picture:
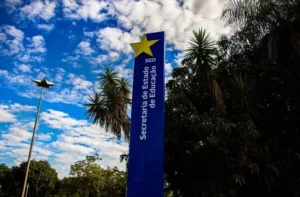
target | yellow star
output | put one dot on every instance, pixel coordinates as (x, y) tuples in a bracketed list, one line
[(143, 46)]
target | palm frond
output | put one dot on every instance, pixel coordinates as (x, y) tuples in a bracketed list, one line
[(108, 108), (243, 94), (96, 109), (108, 78), (240, 11), (217, 95), (201, 59), (201, 52)]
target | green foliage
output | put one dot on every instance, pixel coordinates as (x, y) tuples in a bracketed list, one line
[(87, 167), (5, 173), (243, 94), (253, 149), (109, 106), (90, 180), (199, 63), (87, 179), (42, 179)]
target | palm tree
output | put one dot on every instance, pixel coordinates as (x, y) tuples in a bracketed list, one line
[(244, 93), (108, 108), (264, 14), (201, 58), (259, 17)]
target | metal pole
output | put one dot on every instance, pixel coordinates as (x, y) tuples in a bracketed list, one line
[(27, 189), (31, 145)]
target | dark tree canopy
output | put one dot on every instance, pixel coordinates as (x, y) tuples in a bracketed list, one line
[(87, 179), (42, 179), (254, 149)]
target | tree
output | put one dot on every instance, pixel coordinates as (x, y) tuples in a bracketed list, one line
[(12, 185), (269, 42), (251, 150), (88, 179), (115, 182), (5, 173), (109, 106), (42, 179), (87, 167), (196, 128), (200, 61)]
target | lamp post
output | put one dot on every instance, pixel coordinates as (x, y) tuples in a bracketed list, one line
[(27, 187), (43, 84)]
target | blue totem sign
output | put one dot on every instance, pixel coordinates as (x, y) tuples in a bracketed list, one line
[(146, 149)]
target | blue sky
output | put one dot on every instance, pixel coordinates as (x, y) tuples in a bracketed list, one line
[(70, 42)]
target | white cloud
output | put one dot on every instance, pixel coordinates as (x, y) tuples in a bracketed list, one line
[(6, 111), (3, 37), (79, 82), (35, 50), (24, 68), (6, 115), (95, 10), (16, 107), (178, 58), (73, 148), (169, 16), (59, 76), (167, 79), (11, 44), (76, 139), (24, 57), (72, 60), (12, 79), (47, 27), (84, 48), (80, 138), (97, 71), (75, 88), (114, 56), (99, 60), (16, 134), (13, 40), (60, 120), (44, 136), (88, 34), (122, 69), (37, 45), (115, 39), (124, 72), (12, 4), (38, 9), (70, 95), (3, 73), (168, 68), (15, 142), (72, 37), (178, 20)]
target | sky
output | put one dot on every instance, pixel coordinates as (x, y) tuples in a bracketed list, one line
[(69, 42)]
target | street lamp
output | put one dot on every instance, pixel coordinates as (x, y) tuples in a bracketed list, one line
[(27, 189), (43, 84)]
